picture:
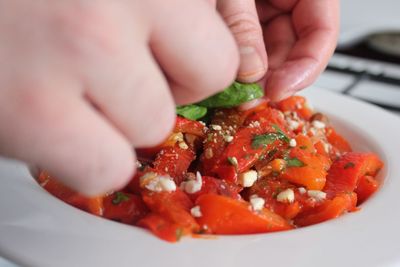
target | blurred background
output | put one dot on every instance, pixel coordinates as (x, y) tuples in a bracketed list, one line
[(366, 64)]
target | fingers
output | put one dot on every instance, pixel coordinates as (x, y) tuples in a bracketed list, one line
[(242, 19), (60, 132), (199, 56), (140, 105), (302, 55)]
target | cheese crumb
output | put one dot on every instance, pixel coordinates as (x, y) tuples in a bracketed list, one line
[(193, 186), (257, 203), (157, 183), (216, 127), (302, 190), (318, 124), (247, 179), (292, 143), (183, 145), (286, 196), (316, 194), (196, 212), (293, 125), (228, 138)]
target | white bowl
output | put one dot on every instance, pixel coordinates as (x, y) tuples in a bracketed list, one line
[(37, 229)]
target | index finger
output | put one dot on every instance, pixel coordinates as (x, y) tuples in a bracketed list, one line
[(316, 26)]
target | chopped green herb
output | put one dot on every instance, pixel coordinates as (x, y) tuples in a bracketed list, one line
[(303, 147), (272, 153), (179, 233), (282, 135), (191, 112), (119, 197), (236, 94), (233, 161), (349, 165), (263, 140), (294, 162), (248, 156)]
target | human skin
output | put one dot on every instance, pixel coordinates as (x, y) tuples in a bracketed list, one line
[(285, 43), (82, 82)]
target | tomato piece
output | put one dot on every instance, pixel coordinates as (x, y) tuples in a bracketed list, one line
[(173, 206), (345, 173), (312, 175), (296, 104), (367, 185), (337, 141), (163, 228), (92, 205), (124, 208), (330, 209), (174, 161), (223, 215)]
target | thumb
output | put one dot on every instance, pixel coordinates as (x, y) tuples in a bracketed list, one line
[(242, 19)]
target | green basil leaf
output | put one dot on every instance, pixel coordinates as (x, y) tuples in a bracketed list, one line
[(191, 112), (294, 162), (263, 140), (236, 94), (119, 197)]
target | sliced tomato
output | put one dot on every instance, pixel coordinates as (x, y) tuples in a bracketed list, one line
[(330, 209), (223, 215), (312, 174), (92, 205), (124, 207), (345, 173)]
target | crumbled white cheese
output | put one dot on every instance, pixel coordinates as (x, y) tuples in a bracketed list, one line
[(257, 203), (216, 127), (233, 161), (157, 183), (318, 124), (316, 194), (183, 145), (254, 124), (208, 153), (327, 147), (196, 212), (286, 196), (193, 186), (228, 138), (293, 125), (302, 190), (292, 143), (247, 179)]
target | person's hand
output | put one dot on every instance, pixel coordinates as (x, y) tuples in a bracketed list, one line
[(286, 42), (81, 82)]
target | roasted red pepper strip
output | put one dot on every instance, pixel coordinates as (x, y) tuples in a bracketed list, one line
[(162, 228), (367, 185), (345, 173), (92, 205), (174, 161), (173, 206), (124, 208), (213, 185), (296, 104), (330, 209), (223, 215), (184, 125), (312, 175)]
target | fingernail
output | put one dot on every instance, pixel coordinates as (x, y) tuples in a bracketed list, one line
[(252, 68)]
